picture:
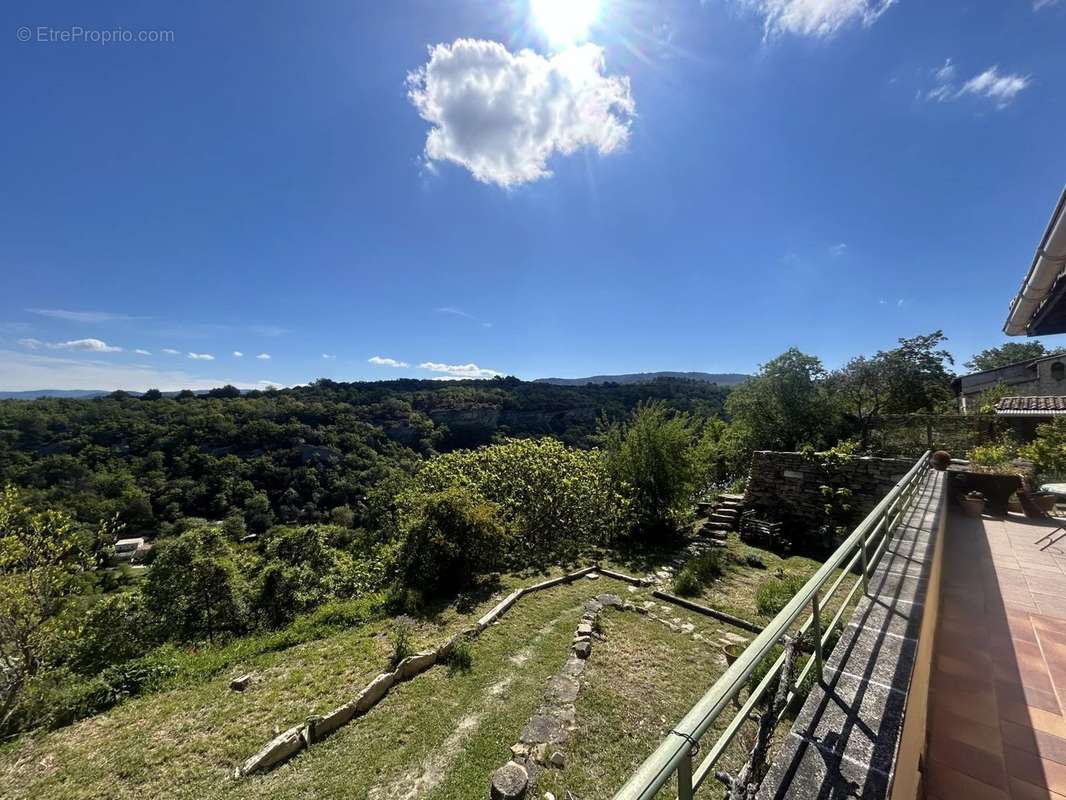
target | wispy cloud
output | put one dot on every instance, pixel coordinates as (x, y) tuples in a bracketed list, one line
[(382, 361), (170, 351), (263, 356), (81, 316), (329, 356), (818, 18), (460, 370), (84, 345), (1042, 4), (837, 250), (142, 352), (458, 312), (1001, 89), (201, 357), (238, 354)]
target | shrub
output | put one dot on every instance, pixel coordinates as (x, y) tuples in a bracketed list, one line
[(700, 571), (655, 460), (554, 500), (451, 537), (459, 658), (401, 642), (773, 593), (1048, 450)]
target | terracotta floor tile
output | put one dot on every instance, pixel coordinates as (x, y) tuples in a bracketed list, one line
[(943, 723), (980, 764), (1007, 691), (943, 781), (1025, 738), (972, 668), (1033, 718), (1021, 790), (977, 707), (1033, 769), (1041, 622)]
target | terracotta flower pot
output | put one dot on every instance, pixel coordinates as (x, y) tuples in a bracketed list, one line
[(732, 652), (940, 460), (972, 506)]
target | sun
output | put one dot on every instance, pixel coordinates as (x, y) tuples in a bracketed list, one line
[(565, 22)]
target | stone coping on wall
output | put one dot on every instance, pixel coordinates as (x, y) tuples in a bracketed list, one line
[(844, 741)]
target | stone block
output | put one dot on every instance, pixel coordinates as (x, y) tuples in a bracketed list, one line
[(374, 691), (281, 748), (241, 683), (415, 665), (509, 782)]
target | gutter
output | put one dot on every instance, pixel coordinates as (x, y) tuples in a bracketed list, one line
[(1048, 263)]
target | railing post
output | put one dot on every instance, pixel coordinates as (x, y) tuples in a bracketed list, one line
[(684, 776), (816, 625), (865, 566)]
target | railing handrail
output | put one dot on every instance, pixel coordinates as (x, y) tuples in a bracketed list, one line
[(660, 766)]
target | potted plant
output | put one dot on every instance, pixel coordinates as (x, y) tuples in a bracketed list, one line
[(973, 504), (993, 474)]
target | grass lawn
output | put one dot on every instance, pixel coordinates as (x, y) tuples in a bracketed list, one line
[(438, 736)]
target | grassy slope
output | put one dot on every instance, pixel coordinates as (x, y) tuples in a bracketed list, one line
[(438, 736)]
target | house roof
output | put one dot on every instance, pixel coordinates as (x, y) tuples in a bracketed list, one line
[(1046, 406)]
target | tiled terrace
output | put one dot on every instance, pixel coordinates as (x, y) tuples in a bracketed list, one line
[(996, 724)]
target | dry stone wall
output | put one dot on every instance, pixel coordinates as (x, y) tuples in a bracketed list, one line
[(787, 486)]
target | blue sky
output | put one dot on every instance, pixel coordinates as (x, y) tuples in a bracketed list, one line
[(690, 186)]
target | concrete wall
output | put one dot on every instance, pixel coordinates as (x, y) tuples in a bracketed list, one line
[(787, 486)]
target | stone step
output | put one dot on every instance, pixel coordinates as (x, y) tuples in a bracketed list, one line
[(731, 504), (718, 516), (739, 498), (716, 526)]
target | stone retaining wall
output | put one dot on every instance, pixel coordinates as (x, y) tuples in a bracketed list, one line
[(787, 486)]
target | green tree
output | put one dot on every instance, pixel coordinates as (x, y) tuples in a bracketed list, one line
[(862, 387), (44, 560), (655, 460), (919, 378), (785, 406), (195, 587), (1009, 353), (450, 537)]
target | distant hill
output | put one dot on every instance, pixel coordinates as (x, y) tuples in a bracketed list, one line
[(721, 378), (33, 394)]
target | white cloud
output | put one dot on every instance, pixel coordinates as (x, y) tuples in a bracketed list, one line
[(460, 370), (502, 115), (821, 18), (80, 316), (1002, 89), (201, 357), (990, 84), (329, 356), (84, 345), (142, 352), (263, 356), (28, 371), (238, 354), (837, 250), (1040, 4), (171, 351), (381, 361)]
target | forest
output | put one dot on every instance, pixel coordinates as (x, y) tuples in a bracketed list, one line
[(277, 515)]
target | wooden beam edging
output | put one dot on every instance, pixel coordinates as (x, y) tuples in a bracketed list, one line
[(287, 744), (751, 627)]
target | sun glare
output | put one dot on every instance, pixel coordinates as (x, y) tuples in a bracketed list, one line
[(565, 22)]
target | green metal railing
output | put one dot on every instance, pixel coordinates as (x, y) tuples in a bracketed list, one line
[(863, 549)]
